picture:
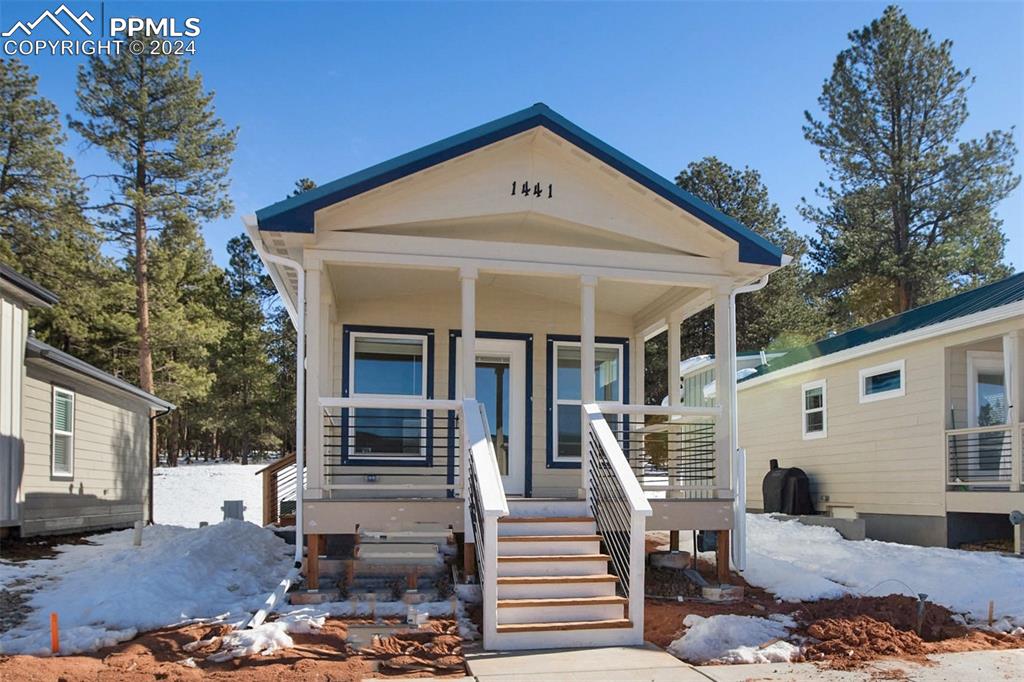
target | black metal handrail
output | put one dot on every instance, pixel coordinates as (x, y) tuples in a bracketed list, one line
[(980, 457), (610, 507)]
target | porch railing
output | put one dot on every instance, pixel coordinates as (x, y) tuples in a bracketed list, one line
[(671, 449), (406, 446), (620, 510), (980, 457), (485, 503)]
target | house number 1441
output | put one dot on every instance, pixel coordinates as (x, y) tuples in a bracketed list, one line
[(523, 188)]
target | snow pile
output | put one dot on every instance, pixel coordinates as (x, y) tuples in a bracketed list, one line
[(800, 563), (735, 639), (106, 592), (205, 487)]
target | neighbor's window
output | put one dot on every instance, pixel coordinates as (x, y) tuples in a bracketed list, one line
[(814, 410), (882, 382), (566, 390), (387, 366), (63, 440)]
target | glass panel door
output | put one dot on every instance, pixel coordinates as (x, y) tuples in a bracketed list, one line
[(493, 377)]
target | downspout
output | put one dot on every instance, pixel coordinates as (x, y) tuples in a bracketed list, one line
[(298, 316), (739, 459), (152, 456)]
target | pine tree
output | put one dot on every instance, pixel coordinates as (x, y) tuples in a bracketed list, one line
[(170, 156), (908, 216), (43, 231), (780, 315)]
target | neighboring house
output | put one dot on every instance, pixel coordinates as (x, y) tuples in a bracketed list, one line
[(909, 423), (74, 440), (697, 375), (485, 270)]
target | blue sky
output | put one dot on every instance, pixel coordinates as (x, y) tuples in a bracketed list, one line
[(322, 89)]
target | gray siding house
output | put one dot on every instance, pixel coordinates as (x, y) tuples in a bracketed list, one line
[(74, 440)]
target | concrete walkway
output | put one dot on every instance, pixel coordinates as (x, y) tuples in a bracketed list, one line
[(650, 664), (622, 664)]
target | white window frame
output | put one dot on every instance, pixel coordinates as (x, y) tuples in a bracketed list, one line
[(811, 385), (383, 456), (556, 401), (901, 365), (54, 472)]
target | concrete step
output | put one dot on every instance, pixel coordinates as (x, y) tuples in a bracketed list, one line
[(557, 586), (552, 564), (511, 545), (563, 626), (576, 609)]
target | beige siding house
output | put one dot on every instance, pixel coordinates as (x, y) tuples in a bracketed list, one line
[(75, 443), (908, 423), (474, 314)]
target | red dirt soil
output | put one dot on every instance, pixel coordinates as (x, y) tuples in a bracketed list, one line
[(323, 655)]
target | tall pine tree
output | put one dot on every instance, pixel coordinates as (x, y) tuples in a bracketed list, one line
[(908, 213), (170, 154)]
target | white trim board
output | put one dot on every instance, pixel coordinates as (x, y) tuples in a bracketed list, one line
[(959, 324)]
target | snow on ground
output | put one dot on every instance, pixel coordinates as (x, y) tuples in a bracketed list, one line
[(106, 592), (189, 493), (735, 639), (798, 563)]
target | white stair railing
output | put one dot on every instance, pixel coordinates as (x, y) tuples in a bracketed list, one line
[(485, 503), (620, 510)]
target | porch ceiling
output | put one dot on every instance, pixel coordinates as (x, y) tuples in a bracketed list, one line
[(363, 283)]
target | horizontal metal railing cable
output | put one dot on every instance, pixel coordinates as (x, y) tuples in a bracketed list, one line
[(980, 456)]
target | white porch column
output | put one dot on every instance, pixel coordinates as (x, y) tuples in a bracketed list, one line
[(725, 379), (314, 414), (675, 321), (468, 276), (588, 390), (1013, 380)]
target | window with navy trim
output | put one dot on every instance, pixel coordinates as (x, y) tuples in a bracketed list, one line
[(385, 364), (564, 404)]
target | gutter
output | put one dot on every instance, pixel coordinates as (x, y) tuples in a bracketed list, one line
[(739, 456), (298, 317), (152, 455)]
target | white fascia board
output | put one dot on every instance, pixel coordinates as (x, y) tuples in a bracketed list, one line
[(1003, 312), (253, 231)]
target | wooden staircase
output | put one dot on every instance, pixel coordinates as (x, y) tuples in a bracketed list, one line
[(554, 588)]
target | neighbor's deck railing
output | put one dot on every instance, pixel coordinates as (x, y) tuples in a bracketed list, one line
[(406, 446), (620, 509), (980, 457), (671, 449)]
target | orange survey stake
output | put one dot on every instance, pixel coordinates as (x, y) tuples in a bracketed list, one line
[(54, 634)]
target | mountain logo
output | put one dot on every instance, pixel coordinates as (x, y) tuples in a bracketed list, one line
[(78, 20)]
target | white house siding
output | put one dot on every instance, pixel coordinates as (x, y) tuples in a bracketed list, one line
[(498, 310), (109, 485), (13, 322), (879, 458)]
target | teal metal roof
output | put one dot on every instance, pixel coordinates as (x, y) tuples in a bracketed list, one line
[(295, 214), (1003, 292)]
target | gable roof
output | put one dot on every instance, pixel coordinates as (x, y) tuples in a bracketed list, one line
[(9, 277), (36, 348), (295, 214), (1003, 292)]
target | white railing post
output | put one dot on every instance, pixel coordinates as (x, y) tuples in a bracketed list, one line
[(637, 571), (489, 586)]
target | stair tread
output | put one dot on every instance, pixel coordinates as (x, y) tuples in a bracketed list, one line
[(555, 557), (562, 601), (567, 625), (549, 538), (545, 519), (556, 579)]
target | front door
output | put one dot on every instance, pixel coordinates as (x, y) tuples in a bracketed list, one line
[(500, 387)]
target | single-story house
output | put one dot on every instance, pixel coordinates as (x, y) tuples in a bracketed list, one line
[(697, 375), (910, 423), (449, 298), (75, 441)]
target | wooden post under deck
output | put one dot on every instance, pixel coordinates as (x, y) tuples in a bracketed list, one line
[(313, 561), (722, 556), (469, 559)]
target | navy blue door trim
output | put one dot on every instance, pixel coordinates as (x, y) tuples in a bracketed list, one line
[(453, 334)]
